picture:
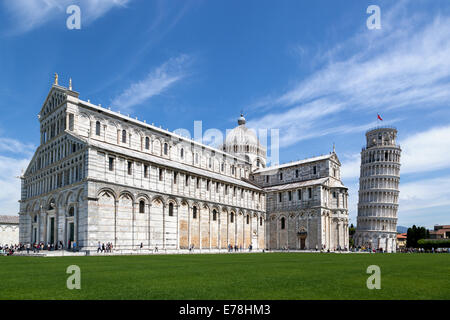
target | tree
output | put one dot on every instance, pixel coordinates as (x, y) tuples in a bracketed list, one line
[(415, 234), (351, 232)]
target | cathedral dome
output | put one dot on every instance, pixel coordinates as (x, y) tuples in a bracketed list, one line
[(241, 135), (244, 143)]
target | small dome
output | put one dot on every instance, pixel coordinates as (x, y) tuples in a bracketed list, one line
[(241, 135)]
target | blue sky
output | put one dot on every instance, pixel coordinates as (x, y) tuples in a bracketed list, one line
[(311, 69)]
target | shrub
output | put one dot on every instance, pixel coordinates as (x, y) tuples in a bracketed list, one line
[(433, 243)]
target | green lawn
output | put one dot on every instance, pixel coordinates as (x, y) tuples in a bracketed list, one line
[(228, 276)]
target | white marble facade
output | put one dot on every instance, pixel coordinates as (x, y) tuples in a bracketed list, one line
[(102, 176), (9, 230)]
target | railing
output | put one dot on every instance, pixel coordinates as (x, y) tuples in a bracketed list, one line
[(381, 127), (380, 146)]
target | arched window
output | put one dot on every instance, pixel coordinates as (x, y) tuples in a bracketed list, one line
[(182, 153), (71, 212), (142, 206), (35, 218), (166, 149), (214, 215), (248, 219), (147, 143), (248, 148), (124, 136), (257, 162), (260, 221), (283, 223), (232, 217), (97, 128), (194, 213), (171, 209)]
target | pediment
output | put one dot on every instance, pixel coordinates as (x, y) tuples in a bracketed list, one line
[(55, 98), (335, 158), (33, 163)]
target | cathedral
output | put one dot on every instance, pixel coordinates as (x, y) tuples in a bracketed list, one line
[(101, 176)]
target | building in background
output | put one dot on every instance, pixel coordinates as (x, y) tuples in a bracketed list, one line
[(440, 232), (401, 240), (379, 190), (9, 230)]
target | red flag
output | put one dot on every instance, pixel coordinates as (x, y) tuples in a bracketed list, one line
[(379, 117)]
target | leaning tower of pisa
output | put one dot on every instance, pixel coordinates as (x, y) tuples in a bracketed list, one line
[(378, 191)]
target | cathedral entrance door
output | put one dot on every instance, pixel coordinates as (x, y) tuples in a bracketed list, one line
[(302, 234), (52, 230), (70, 233), (302, 243)]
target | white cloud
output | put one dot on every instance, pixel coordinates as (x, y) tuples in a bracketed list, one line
[(156, 82), (31, 14), (425, 202), (15, 146), (404, 65), (426, 151), (10, 169), (350, 168)]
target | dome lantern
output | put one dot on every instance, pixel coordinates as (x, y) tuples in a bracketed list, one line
[(241, 120)]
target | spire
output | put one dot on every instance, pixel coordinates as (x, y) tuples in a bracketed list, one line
[(56, 79), (241, 119), (334, 148), (70, 84)]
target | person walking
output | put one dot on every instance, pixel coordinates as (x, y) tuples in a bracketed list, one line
[(99, 248)]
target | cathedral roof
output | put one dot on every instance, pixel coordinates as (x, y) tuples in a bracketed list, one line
[(171, 164), (333, 183), (9, 219), (294, 163)]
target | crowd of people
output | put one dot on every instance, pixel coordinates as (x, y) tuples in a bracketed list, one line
[(422, 250), (102, 248), (239, 248), (36, 247), (108, 248)]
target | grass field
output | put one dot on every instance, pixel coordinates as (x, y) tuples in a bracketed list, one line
[(228, 276)]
